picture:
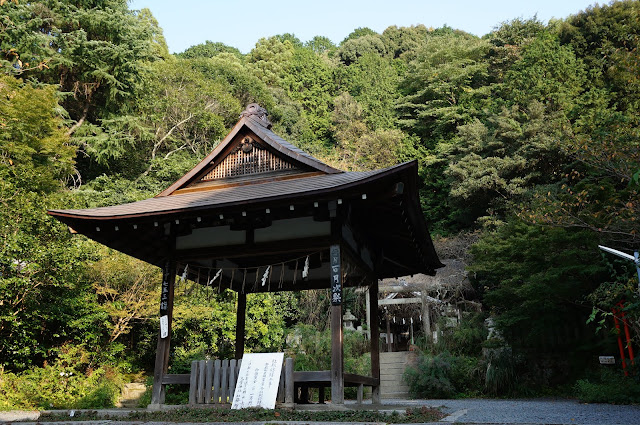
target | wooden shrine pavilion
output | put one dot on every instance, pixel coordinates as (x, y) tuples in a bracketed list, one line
[(259, 214)]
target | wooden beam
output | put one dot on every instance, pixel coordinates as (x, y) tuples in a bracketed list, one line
[(256, 249), (240, 325), (411, 287), (320, 377), (395, 301), (358, 260), (423, 242), (312, 376), (352, 380), (374, 339), (353, 235), (177, 379), (164, 344), (357, 244)]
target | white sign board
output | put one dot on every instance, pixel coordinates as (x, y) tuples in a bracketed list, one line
[(607, 360), (258, 381), (164, 326)]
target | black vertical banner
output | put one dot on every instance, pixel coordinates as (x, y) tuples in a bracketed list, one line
[(336, 275), (164, 294)]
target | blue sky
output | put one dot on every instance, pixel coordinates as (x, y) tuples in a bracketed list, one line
[(242, 24)]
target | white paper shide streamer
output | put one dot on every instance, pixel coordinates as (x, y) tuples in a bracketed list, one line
[(184, 274), (265, 275), (215, 277), (305, 271)]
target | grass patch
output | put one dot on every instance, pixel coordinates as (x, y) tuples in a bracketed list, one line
[(423, 414)]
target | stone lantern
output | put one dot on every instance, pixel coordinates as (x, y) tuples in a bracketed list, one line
[(348, 320)]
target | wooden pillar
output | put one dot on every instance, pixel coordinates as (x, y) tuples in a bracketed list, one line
[(426, 320), (337, 380), (389, 344), (241, 316), (289, 395), (368, 314), (375, 339), (411, 330), (337, 366), (164, 336)]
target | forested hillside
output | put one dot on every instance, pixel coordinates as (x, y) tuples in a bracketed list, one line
[(527, 138)]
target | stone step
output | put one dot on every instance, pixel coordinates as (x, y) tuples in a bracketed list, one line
[(392, 367), (394, 381), (131, 394), (395, 366), (391, 373), (403, 388), (395, 354), (401, 395)]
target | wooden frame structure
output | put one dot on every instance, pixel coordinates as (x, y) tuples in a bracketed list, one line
[(258, 214)]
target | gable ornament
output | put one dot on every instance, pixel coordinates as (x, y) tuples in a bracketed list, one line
[(256, 111)]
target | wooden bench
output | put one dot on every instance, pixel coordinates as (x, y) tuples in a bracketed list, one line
[(214, 382), (322, 379)]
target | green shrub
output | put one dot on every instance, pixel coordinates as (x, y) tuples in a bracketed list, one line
[(609, 386), (69, 383), (466, 339), (431, 377), (501, 375), (467, 375), (445, 376)]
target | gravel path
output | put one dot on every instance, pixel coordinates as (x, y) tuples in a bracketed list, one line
[(531, 411)]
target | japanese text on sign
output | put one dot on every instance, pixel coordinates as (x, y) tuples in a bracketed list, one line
[(258, 381), (164, 294), (336, 275)]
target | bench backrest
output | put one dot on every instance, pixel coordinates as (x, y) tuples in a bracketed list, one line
[(214, 381)]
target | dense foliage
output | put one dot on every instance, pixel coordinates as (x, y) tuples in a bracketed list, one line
[(528, 135)]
